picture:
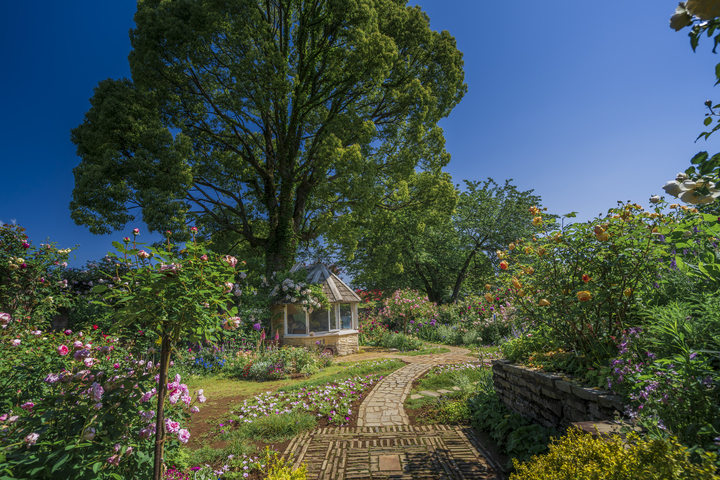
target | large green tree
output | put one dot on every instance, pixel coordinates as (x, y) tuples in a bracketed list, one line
[(442, 250), (272, 121)]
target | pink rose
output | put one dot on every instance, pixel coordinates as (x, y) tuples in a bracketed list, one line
[(230, 260), (143, 254), (184, 435), (204, 258), (136, 231), (16, 343), (63, 350), (78, 345), (171, 426), (5, 318), (32, 439), (228, 287)]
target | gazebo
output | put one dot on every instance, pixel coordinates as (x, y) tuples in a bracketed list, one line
[(334, 330)]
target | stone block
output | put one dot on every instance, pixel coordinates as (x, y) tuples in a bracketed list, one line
[(612, 401), (428, 393), (547, 379), (573, 415), (554, 407), (550, 418), (563, 386), (551, 393), (576, 404), (598, 412), (585, 393)]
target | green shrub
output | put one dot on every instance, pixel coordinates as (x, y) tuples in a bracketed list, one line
[(515, 435), (401, 342), (278, 468), (578, 456), (276, 363)]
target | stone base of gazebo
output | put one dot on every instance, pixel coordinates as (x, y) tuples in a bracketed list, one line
[(344, 342)]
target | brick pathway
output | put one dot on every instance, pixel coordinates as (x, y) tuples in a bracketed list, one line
[(384, 445), (401, 453)]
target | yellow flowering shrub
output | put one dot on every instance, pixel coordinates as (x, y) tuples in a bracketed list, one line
[(278, 468), (579, 456)]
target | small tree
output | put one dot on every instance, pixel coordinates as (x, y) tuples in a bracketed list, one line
[(172, 296)]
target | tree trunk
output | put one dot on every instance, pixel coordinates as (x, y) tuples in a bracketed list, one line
[(159, 423), (282, 246), (461, 276)]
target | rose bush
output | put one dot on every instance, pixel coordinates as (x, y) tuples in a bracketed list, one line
[(586, 280), (31, 287), (79, 406)]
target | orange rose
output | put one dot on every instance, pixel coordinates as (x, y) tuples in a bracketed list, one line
[(584, 296), (585, 278), (543, 303), (504, 265), (511, 246), (537, 221), (541, 251), (487, 286), (603, 237), (489, 298), (628, 292), (516, 283)]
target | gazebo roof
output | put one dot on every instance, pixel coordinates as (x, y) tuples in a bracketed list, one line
[(335, 289)]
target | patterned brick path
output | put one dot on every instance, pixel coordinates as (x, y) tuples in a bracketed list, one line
[(385, 446), (402, 453)]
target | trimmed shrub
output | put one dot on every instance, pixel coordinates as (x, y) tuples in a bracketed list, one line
[(578, 456)]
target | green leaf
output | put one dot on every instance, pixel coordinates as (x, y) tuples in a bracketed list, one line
[(96, 466), (62, 460), (707, 121), (699, 158)]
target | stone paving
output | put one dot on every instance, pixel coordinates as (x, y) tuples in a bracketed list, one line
[(384, 445), (384, 406), (397, 452)]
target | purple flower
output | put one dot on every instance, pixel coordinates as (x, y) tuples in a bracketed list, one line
[(257, 327)]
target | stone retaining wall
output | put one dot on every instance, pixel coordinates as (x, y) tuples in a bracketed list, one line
[(551, 399)]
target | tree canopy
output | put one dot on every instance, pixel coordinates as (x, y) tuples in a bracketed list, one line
[(277, 121), (444, 249)]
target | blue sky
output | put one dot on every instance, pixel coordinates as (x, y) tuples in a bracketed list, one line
[(586, 103)]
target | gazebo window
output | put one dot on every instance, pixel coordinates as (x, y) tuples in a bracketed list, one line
[(320, 321), (296, 320), (334, 319), (346, 316)]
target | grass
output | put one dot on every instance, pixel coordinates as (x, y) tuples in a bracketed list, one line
[(217, 386), (451, 408), (426, 351)]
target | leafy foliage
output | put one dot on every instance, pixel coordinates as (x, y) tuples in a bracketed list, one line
[(578, 456), (441, 251), (278, 122)]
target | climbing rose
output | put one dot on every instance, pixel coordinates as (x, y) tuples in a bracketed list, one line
[(504, 265), (16, 343), (543, 303), (537, 221), (586, 278), (5, 318), (63, 350)]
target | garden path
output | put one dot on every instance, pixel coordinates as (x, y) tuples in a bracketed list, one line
[(384, 445)]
